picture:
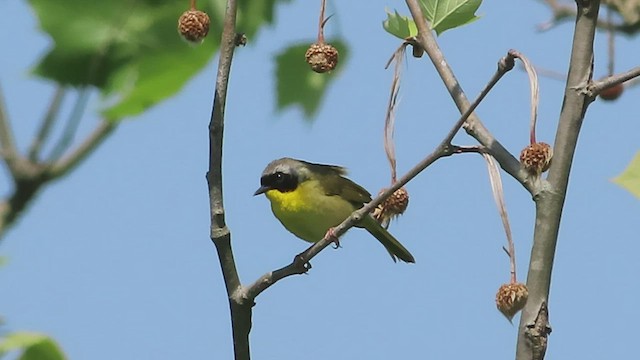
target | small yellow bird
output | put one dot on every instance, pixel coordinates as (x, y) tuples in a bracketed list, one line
[(309, 199)]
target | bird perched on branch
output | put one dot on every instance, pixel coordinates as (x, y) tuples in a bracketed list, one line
[(310, 199)]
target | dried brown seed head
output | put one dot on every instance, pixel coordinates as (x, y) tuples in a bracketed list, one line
[(321, 57), (394, 205), (536, 158), (193, 25), (511, 298)]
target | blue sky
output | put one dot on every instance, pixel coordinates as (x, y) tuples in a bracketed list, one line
[(115, 261)]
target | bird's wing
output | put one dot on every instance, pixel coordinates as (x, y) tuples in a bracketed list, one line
[(346, 189), (334, 183)]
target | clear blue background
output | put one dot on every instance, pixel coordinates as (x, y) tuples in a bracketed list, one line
[(115, 260)]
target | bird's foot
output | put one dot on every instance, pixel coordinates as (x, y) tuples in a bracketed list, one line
[(331, 236)]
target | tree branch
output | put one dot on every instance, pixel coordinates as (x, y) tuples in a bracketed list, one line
[(8, 150), (45, 127), (241, 310), (532, 335), (71, 126), (25, 190), (473, 126), (597, 86)]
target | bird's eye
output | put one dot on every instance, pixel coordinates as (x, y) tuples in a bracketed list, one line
[(281, 178), (282, 181)]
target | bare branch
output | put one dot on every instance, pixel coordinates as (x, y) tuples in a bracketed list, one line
[(45, 127), (220, 235), (299, 265), (8, 150), (72, 125), (219, 231), (596, 87), (24, 192)]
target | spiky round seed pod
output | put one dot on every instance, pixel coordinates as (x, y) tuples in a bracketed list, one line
[(511, 298), (321, 57), (397, 203), (193, 25), (536, 158), (612, 93), (394, 205)]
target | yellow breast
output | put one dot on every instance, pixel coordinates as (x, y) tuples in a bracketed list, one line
[(307, 212)]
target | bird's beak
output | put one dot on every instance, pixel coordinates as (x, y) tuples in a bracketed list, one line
[(261, 190)]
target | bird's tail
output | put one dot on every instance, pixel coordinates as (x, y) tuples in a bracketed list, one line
[(393, 246)]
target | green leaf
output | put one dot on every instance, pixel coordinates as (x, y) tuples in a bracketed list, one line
[(34, 346), (158, 76), (400, 26), (630, 177), (448, 14), (297, 84), (131, 50)]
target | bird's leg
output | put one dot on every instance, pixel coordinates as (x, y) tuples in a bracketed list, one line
[(331, 235)]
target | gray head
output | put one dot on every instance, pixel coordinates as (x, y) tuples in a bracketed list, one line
[(285, 174), (282, 175)]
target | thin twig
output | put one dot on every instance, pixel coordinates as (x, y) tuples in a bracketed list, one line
[(598, 86), (220, 234), (476, 149), (47, 124), (321, 22), (71, 127), (8, 150)]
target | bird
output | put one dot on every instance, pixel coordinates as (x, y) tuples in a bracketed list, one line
[(310, 199)]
